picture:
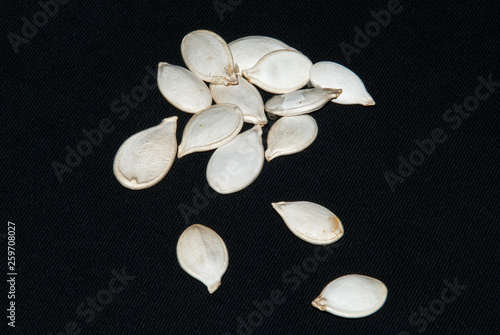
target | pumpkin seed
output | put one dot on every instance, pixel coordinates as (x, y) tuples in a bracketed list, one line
[(280, 71), (245, 96), (210, 129), (289, 135), (203, 255), (207, 55), (333, 75), (146, 157), (238, 163), (352, 296), (301, 101), (310, 222), (247, 51), (183, 89)]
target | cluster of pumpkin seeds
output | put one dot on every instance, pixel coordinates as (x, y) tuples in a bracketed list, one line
[(232, 72)]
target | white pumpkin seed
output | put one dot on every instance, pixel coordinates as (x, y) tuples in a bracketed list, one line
[(146, 157), (289, 135), (310, 222), (183, 89), (208, 56), (280, 71), (300, 102), (238, 163), (352, 296), (245, 96), (247, 51), (203, 255), (333, 75), (210, 129)]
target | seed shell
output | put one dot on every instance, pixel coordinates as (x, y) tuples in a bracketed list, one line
[(352, 296), (301, 101), (203, 255), (207, 55), (289, 135), (210, 129), (238, 163), (247, 51), (146, 157), (183, 89), (310, 222), (245, 96), (281, 71), (333, 75)]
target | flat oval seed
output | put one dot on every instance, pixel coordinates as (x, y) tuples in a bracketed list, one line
[(210, 129), (208, 56), (146, 157), (183, 89), (301, 101), (352, 296), (310, 222), (245, 96), (237, 164), (203, 255), (247, 51), (333, 75), (289, 135), (280, 71)]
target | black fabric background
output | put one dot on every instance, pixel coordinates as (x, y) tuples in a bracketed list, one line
[(438, 226)]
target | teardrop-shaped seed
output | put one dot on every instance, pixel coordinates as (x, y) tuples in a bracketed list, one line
[(247, 51), (310, 222), (146, 157), (333, 75), (289, 135), (280, 71), (203, 255), (210, 129), (238, 163), (245, 96), (183, 89), (300, 102), (208, 56), (352, 296)]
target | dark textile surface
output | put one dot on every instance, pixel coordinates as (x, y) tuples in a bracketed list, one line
[(414, 179)]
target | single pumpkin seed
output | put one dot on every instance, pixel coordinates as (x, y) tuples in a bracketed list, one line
[(280, 71), (310, 222), (247, 51), (238, 163), (300, 102), (183, 89), (146, 157), (203, 255), (245, 96), (289, 135), (352, 296), (333, 75), (211, 128), (207, 55)]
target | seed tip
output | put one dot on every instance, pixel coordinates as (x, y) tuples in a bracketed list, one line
[(180, 151), (318, 303), (213, 287)]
